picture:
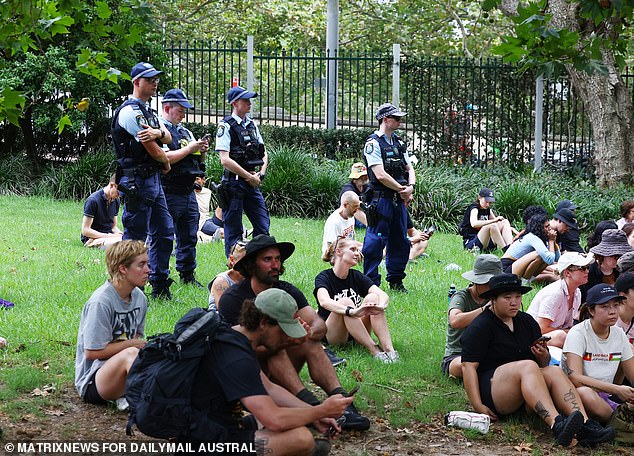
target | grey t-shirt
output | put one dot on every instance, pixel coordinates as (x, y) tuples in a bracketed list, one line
[(462, 300), (106, 318)]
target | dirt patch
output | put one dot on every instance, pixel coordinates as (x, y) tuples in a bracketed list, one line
[(73, 420)]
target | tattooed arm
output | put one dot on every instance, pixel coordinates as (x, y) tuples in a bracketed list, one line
[(574, 363)]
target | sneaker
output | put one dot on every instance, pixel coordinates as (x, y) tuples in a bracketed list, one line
[(394, 356), (354, 421), (122, 404), (398, 286), (383, 357), (334, 359), (592, 433), (566, 427)]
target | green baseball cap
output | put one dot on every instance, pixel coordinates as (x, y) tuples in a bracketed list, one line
[(280, 306)]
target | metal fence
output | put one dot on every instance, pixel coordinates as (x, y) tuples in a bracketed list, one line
[(460, 110)]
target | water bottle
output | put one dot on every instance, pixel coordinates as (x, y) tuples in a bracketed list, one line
[(452, 291), (469, 420)]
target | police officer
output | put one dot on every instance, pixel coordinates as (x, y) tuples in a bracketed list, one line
[(187, 159), (391, 184), (245, 160), (137, 135)]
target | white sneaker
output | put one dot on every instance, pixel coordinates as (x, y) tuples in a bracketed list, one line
[(122, 404), (383, 357), (394, 356)]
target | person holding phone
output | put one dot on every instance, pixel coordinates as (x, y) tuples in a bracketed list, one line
[(351, 305), (418, 240), (504, 369), (187, 159)]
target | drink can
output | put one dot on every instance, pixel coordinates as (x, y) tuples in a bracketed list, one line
[(469, 420)]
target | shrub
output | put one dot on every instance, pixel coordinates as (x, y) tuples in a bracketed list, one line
[(15, 175)]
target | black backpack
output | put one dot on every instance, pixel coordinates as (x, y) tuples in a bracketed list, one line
[(159, 386)]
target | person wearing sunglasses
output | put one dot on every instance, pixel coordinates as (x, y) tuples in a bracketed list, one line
[(556, 306), (390, 189), (138, 136)]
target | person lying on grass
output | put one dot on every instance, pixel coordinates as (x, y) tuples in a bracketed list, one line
[(350, 303), (506, 367), (112, 325), (596, 350)]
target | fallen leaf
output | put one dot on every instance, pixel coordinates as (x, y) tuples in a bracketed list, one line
[(54, 412), (39, 392), (524, 446), (357, 375)]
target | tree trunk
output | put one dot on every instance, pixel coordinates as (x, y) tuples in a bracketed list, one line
[(26, 125)]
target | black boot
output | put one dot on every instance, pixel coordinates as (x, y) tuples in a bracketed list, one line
[(161, 290), (188, 278)]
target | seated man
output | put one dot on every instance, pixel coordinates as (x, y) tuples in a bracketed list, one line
[(233, 383), (210, 228), (418, 240), (99, 224), (569, 241), (358, 183), (261, 266), (556, 306), (465, 305), (225, 279), (112, 325), (341, 222)]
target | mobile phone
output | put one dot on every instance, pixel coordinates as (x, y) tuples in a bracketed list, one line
[(353, 391), (331, 430), (541, 341), (206, 137), (431, 229)]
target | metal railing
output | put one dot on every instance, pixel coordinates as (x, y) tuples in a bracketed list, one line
[(459, 110)]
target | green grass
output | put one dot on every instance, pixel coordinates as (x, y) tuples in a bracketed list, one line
[(49, 275)]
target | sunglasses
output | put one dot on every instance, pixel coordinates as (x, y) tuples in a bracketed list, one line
[(152, 80), (579, 268), (236, 245)]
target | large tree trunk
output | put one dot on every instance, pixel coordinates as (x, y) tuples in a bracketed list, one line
[(26, 125)]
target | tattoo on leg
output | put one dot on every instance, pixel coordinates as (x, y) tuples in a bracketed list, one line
[(541, 410), (261, 446), (571, 398)]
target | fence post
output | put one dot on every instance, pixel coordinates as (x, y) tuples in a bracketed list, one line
[(396, 74), (332, 51), (250, 70), (539, 116)]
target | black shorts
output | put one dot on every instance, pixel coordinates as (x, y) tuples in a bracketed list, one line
[(507, 265), (446, 361), (91, 395), (484, 379)]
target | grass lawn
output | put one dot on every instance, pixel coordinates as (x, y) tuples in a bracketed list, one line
[(48, 274)]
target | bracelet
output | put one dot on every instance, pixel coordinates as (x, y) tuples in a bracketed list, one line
[(348, 309)]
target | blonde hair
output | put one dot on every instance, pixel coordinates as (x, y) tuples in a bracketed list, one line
[(238, 250), (331, 251), (122, 253)]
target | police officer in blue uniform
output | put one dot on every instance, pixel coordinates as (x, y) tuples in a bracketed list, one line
[(138, 136), (391, 184), (245, 160), (187, 159)]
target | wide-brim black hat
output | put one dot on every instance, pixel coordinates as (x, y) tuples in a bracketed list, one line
[(503, 283), (261, 242)]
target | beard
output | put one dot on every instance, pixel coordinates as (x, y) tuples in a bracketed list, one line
[(267, 278)]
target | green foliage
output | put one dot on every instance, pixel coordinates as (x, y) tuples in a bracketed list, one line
[(511, 199), (78, 179), (15, 175)]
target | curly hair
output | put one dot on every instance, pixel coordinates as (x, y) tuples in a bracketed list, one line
[(533, 210), (251, 316), (535, 225), (595, 238)]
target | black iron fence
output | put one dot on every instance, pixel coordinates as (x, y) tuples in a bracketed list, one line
[(459, 110)]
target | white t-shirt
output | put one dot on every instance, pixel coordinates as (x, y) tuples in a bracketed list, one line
[(551, 302), (203, 198), (336, 226), (601, 357)]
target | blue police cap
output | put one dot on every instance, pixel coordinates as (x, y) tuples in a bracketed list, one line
[(237, 92), (177, 96), (143, 70)]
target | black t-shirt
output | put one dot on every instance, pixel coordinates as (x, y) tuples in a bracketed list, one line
[(488, 341), (466, 230), (595, 277), (228, 373), (569, 241), (231, 301), (102, 213), (349, 187), (355, 287)]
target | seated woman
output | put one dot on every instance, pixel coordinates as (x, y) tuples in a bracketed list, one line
[(594, 351), (625, 286), (555, 306), (418, 240), (504, 367), (613, 244), (481, 228), (350, 303), (533, 251), (595, 237), (225, 279), (627, 213)]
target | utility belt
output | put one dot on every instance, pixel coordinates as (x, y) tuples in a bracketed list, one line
[(143, 171), (178, 189), (228, 175), (386, 194)]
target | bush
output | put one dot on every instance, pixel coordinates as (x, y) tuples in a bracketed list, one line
[(15, 175)]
